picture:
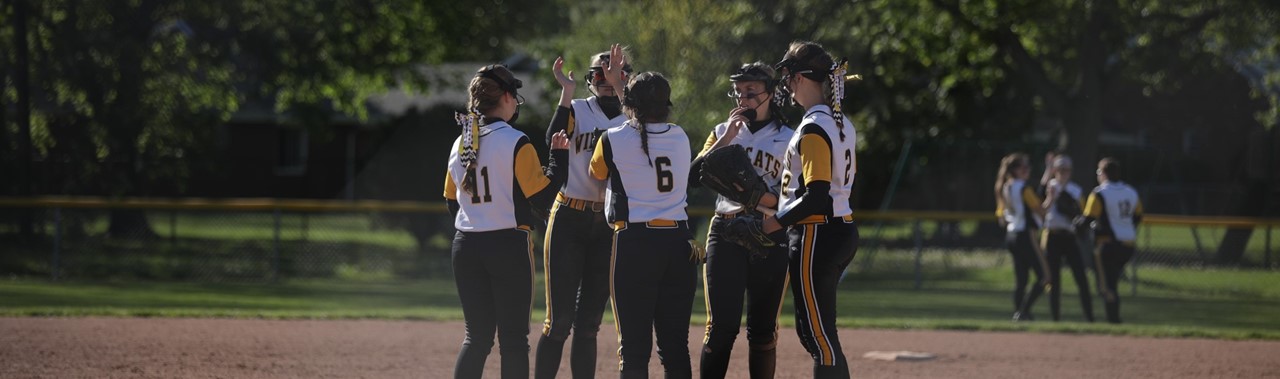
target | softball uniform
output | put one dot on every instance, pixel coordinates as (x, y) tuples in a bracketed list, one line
[(1060, 243), (1116, 211), (730, 274), (493, 247), (817, 179), (653, 277), (577, 248)]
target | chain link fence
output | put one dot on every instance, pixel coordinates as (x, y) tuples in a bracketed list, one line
[(275, 240)]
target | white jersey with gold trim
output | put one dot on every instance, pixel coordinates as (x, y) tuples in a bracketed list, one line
[(1054, 219), (492, 207), (644, 188), (588, 122), (843, 163), (765, 149), (1119, 205)]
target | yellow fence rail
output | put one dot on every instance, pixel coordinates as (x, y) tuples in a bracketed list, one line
[(306, 205)]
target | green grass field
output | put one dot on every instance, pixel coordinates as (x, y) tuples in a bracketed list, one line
[(1171, 303)]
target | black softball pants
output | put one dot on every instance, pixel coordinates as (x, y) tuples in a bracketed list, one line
[(653, 284), (1112, 256), (494, 274), (820, 252), (576, 264), (729, 275), (1025, 258), (1062, 245)]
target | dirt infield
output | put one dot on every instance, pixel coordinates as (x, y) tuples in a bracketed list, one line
[(218, 348)]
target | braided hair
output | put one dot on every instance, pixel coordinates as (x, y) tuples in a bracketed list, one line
[(484, 95), (647, 99)]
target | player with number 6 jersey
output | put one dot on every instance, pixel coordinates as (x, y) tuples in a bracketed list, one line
[(646, 164)]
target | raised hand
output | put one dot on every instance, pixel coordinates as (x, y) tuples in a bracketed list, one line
[(613, 69), (559, 141), (567, 83)]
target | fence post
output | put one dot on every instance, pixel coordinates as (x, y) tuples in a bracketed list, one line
[(57, 243), (275, 251), (173, 227), (919, 239)]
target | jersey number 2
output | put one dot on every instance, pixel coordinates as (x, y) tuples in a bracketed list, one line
[(666, 181), (475, 196), (848, 165)]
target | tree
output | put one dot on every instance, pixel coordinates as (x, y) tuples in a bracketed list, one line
[(130, 92)]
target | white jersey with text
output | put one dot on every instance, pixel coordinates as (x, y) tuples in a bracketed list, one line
[(765, 150), (492, 206), (644, 187), (818, 132), (586, 124)]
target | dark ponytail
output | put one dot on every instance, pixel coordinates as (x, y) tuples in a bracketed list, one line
[(647, 99)]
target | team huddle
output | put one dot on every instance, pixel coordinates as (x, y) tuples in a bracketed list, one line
[(613, 195)]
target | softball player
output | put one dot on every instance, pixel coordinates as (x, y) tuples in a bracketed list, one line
[(493, 193), (817, 179), (646, 163), (1020, 211), (729, 271), (578, 241), (1060, 237), (1114, 211)]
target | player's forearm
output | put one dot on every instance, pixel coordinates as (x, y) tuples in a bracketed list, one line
[(453, 208), (816, 200), (557, 170), (559, 121)]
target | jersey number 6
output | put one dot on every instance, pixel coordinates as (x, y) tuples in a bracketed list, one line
[(665, 180)]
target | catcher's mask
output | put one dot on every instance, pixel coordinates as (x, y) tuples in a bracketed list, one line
[(595, 73)]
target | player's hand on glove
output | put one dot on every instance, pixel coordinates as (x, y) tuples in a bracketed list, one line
[(697, 253), (728, 171), (747, 231)]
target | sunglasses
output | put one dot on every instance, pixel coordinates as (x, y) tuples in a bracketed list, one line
[(596, 75), (732, 94)]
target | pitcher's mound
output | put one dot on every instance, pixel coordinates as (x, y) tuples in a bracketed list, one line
[(898, 356)]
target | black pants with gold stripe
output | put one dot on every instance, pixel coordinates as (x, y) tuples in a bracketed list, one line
[(1061, 245), (730, 277), (1112, 257), (653, 286), (819, 254), (494, 274), (576, 262)]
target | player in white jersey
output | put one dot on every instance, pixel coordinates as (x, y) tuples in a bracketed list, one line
[(731, 271), (817, 179), (578, 241), (646, 164), (496, 189), (1021, 211), (1062, 202), (1114, 212)]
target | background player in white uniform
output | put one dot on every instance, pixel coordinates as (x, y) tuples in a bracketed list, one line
[(817, 180), (1114, 212), (1021, 211), (1062, 204), (731, 271), (578, 241), (646, 164), (494, 185)]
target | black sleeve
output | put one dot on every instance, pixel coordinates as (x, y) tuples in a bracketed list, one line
[(815, 200), (453, 208), (695, 172), (559, 121), (557, 172)]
